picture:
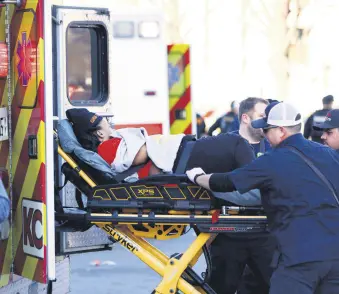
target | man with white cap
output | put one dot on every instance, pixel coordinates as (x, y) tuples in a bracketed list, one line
[(299, 188)]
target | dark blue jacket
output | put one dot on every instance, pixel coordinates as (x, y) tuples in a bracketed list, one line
[(229, 122), (302, 213)]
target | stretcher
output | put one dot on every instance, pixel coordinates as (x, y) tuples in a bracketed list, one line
[(158, 207)]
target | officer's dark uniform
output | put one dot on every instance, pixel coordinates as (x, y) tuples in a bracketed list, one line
[(227, 123), (302, 213), (317, 118)]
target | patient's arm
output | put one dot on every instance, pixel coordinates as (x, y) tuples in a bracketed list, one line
[(141, 157)]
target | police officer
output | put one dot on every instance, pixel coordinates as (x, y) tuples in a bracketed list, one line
[(228, 122), (231, 253), (318, 117), (330, 129), (299, 187)]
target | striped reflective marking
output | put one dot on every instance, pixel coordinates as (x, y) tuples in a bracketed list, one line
[(28, 175), (180, 90), (28, 192)]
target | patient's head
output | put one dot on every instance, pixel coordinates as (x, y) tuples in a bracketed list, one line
[(103, 130), (83, 120), (90, 128)]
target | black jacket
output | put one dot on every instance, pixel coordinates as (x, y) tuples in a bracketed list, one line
[(221, 153)]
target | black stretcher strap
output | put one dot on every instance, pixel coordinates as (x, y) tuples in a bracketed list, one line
[(121, 176), (184, 156)]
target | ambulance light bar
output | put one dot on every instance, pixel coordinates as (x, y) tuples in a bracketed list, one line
[(149, 29)]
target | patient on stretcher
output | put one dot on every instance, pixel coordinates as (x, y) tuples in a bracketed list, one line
[(128, 147), (125, 148)]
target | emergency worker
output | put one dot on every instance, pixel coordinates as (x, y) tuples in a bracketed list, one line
[(299, 186), (317, 118), (230, 252), (330, 129), (229, 122)]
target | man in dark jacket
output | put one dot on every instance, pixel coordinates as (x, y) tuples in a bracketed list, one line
[(316, 118), (231, 253), (229, 122), (299, 189)]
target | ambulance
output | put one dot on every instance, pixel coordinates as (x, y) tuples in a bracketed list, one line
[(55, 55)]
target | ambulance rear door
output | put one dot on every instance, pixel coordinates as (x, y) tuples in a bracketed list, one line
[(81, 42)]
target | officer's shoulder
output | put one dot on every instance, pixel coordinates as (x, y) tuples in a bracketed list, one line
[(230, 136), (320, 111)]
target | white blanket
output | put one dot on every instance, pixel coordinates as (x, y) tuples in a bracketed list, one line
[(161, 149)]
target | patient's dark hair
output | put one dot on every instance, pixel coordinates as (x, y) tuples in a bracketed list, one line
[(248, 105), (87, 140)]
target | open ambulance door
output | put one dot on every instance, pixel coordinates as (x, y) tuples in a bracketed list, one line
[(81, 45)]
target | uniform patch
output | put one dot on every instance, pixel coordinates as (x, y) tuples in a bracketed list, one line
[(93, 119)]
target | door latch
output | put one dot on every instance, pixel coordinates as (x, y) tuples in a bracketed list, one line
[(32, 147)]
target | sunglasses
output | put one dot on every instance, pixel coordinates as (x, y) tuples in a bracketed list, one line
[(267, 129)]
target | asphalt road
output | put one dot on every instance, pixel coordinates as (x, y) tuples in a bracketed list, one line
[(119, 271)]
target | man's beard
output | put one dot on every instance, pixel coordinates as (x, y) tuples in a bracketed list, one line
[(256, 134)]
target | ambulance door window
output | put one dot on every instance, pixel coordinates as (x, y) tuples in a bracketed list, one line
[(87, 71)]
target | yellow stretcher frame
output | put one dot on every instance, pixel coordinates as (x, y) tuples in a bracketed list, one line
[(171, 269)]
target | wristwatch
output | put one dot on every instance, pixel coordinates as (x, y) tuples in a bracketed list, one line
[(196, 176)]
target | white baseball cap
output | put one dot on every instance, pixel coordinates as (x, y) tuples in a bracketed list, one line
[(278, 114)]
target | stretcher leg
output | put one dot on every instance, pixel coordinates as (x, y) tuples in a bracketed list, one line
[(153, 261), (159, 254), (175, 267)]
